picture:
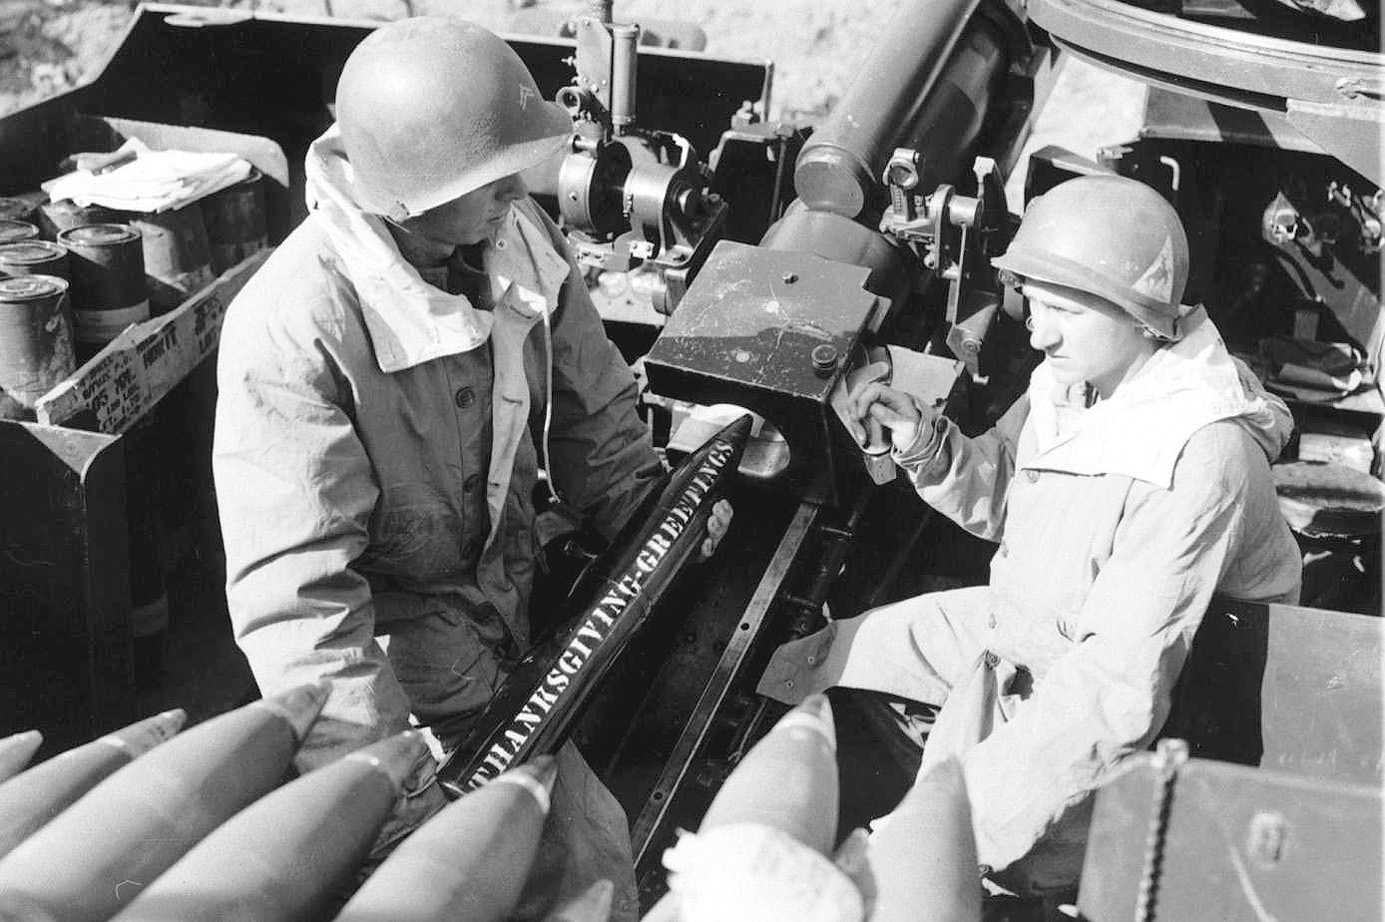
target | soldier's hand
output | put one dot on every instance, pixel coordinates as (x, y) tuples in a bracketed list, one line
[(894, 409), (717, 523)]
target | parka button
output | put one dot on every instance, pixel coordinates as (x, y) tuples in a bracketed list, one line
[(471, 483), (465, 397), (1033, 476)]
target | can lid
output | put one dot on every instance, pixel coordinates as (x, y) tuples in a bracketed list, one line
[(15, 208), (99, 234), (31, 287), (11, 231), (31, 251)]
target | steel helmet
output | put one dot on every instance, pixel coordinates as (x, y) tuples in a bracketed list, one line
[(431, 108), (1109, 236)]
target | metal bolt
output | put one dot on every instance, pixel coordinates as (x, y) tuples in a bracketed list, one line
[(1267, 837), (824, 360), (742, 356)]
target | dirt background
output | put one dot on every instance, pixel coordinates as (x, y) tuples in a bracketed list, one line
[(817, 47)]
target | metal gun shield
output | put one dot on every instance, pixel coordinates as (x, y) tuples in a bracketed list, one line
[(533, 710), (99, 853), (285, 857), (788, 780), (467, 863), (924, 856), (34, 797)]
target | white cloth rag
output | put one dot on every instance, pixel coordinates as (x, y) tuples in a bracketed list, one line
[(154, 181)]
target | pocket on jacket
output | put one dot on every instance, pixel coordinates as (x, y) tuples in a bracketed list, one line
[(416, 535)]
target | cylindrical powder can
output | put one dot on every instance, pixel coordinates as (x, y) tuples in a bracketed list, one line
[(108, 290), (35, 339), (235, 219), (177, 257), (17, 209), (35, 257), (55, 217), (14, 231)]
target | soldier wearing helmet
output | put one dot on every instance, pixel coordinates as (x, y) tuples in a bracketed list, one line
[(390, 384), (1126, 486)]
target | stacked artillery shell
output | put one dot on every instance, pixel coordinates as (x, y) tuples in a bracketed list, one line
[(15, 231), (594, 905), (924, 858), (34, 257), (36, 341), (531, 713), (287, 856), (108, 291), (97, 854), (469, 862), (36, 796), (788, 781), (16, 751)]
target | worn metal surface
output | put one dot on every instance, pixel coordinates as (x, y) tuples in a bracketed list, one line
[(1237, 844), (648, 833), (1286, 688), (1238, 68), (749, 333)]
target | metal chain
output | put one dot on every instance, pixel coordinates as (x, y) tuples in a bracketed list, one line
[(1169, 756)]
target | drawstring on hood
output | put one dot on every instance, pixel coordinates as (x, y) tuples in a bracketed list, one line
[(1141, 429)]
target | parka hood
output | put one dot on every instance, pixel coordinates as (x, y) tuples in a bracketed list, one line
[(409, 320), (1141, 430)]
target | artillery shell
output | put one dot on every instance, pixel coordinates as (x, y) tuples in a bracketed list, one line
[(788, 780), (592, 905), (97, 855), (469, 862), (924, 856), (16, 751), (34, 797), (534, 709), (286, 856)]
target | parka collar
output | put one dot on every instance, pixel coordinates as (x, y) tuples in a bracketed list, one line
[(410, 321), (1141, 430)]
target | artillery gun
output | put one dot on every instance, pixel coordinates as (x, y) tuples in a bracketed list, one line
[(760, 265)]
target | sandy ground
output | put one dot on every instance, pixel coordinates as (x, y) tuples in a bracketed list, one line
[(817, 47)]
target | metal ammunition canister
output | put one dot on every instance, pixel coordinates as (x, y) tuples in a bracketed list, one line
[(15, 231), (53, 218), (235, 220), (108, 290), (17, 209), (36, 349), (177, 256), (35, 257)]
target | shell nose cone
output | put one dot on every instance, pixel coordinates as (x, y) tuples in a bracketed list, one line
[(788, 781), (17, 750), (924, 854), (395, 756), (299, 706)]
